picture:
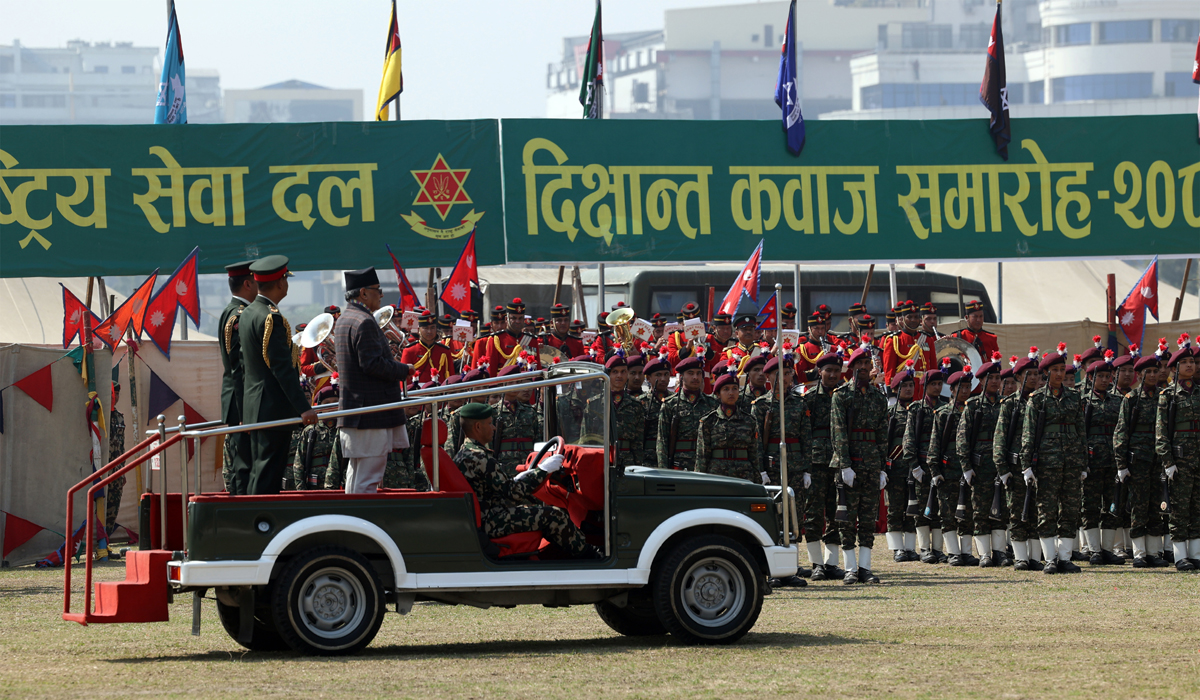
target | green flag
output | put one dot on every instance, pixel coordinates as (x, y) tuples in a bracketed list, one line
[(591, 89)]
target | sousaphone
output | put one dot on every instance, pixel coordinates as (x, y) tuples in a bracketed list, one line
[(961, 353)]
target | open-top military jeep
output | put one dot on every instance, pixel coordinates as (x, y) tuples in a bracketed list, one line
[(683, 553)]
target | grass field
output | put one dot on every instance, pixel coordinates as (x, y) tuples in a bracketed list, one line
[(926, 631)]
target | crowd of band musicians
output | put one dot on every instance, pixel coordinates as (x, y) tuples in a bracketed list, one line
[(1033, 461)]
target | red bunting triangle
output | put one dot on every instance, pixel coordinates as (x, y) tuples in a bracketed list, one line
[(17, 531), (192, 416), (39, 387)]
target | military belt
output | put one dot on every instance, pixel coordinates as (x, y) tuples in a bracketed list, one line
[(1065, 428), (730, 454), (624, 446), (1101, 430), (820, 432), (1187, 426), (685, 445), (862, 435), (791, 441)]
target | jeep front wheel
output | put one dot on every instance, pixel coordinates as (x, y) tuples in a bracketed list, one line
[(709, 590), (328, 601)]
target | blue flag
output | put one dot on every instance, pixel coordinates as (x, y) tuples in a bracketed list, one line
[(171, 107), (785, 88)]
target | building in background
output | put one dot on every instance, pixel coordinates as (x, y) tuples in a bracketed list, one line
[(293, 101), (1063, 58)]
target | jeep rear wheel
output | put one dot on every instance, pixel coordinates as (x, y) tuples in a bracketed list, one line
[(709, 590), (637, 619), (328, 601)]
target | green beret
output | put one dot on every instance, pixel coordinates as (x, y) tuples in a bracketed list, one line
[(476, 411)]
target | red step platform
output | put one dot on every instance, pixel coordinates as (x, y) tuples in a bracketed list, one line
[(141, 597)]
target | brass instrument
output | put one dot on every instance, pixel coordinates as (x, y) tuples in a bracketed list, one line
[(619, 321), (385, 316), (548, 353), (319, 334), (961, 353)]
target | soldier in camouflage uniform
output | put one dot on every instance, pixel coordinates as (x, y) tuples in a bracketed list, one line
[(679, 418), (1055, 463), (518, 426), (901, 527), (819, 508), (293, 450), (116, 448), (918, 432), (975, 443), (318, 448), (1177, 443), (507, 504), (756, 382), (658, 375), (947, 472), (728, 443), (858, 419), (1138, 466), (1101, 410), (628, 433), (403, 468), (1006, 455), (454, 436)]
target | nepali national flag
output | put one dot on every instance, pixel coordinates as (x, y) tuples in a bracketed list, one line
[(747, 282), (180, 289), (457, 292), (75, 315), (129, 314), (786, 95), (408, 296), (993, 91), (1131, 314), (770, 310)]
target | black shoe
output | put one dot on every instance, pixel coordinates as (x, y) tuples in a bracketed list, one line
[(957, 560), (1022, 565), (1185, 565), (1168, 555), (910, 555), (985, 562), (804, 573), (1079, 556), (1067, 567), (865, 576), (1008, 552), (1111, 558), (850, 578), (1156, 561), (1051, 567), (1122, 553), (900, 556), (930, 556), (1142, 562), (1097, 559), (970, 559), (942, 558), (1001, 559), (794, 582), (818, 573)]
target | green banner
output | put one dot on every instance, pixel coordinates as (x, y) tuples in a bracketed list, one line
[(122, 200), (691, 191)]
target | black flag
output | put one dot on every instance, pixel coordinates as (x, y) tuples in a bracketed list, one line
[(993, 92)]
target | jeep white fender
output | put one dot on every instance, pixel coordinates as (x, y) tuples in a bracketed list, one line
[(694, 518)]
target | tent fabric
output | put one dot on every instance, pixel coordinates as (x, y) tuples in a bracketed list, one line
[(42, 454)]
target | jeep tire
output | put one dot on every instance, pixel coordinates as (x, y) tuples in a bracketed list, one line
[(708, 590), (265, 636), (328, 601)]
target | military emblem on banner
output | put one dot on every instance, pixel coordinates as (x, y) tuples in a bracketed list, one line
[(442, 188)]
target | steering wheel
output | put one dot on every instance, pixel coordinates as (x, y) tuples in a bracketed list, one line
[(553, 446)]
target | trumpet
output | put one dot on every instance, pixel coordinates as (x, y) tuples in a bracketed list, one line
[(319, 334), (386, 318)]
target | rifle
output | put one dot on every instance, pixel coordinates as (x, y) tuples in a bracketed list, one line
[(1087, 429), (997, 486), (964, 489), (1117, 506), (1029, 511), (842, 514), (671, 442), (1164, 504), (914, 506)]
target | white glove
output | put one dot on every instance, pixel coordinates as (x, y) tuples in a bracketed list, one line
[(882, 480), (968, 475), (765, 478), (551, 464), (848, 477), (1122, 474), (807, 480), (937, 480), (1171, 471), (1083, 476), (1029, 477), (1004, 479), (918, 473)]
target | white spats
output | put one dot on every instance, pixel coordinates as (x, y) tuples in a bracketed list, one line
[(924, 538), (983, 545), (952, 544), (910, 541), (999, 540), (831, 554), (1108, 538), (814, 553), (1194, 548), (964, 544), (938, 544), (1049, 549), (1020, 551), (895, 541), (1035, 549), (864, 558), (1139, 547), (851, 561), (1093, 539), (1066, 545), (1181, 551)]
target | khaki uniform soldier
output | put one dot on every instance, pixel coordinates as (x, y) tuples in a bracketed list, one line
[(975, 443), (1053, 455), (957, 519), (1101, 410), (507, 504), (272, 382), (728, 442), (1138, 466), (901, 527), (819, 528), (236, 447), (518, 426), (916, 457), (657, 374), (1006, 455), (628, 432), (679, 418), (1177, 442), (858, 419)]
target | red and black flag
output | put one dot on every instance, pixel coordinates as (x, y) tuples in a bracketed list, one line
[(993, 91)]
